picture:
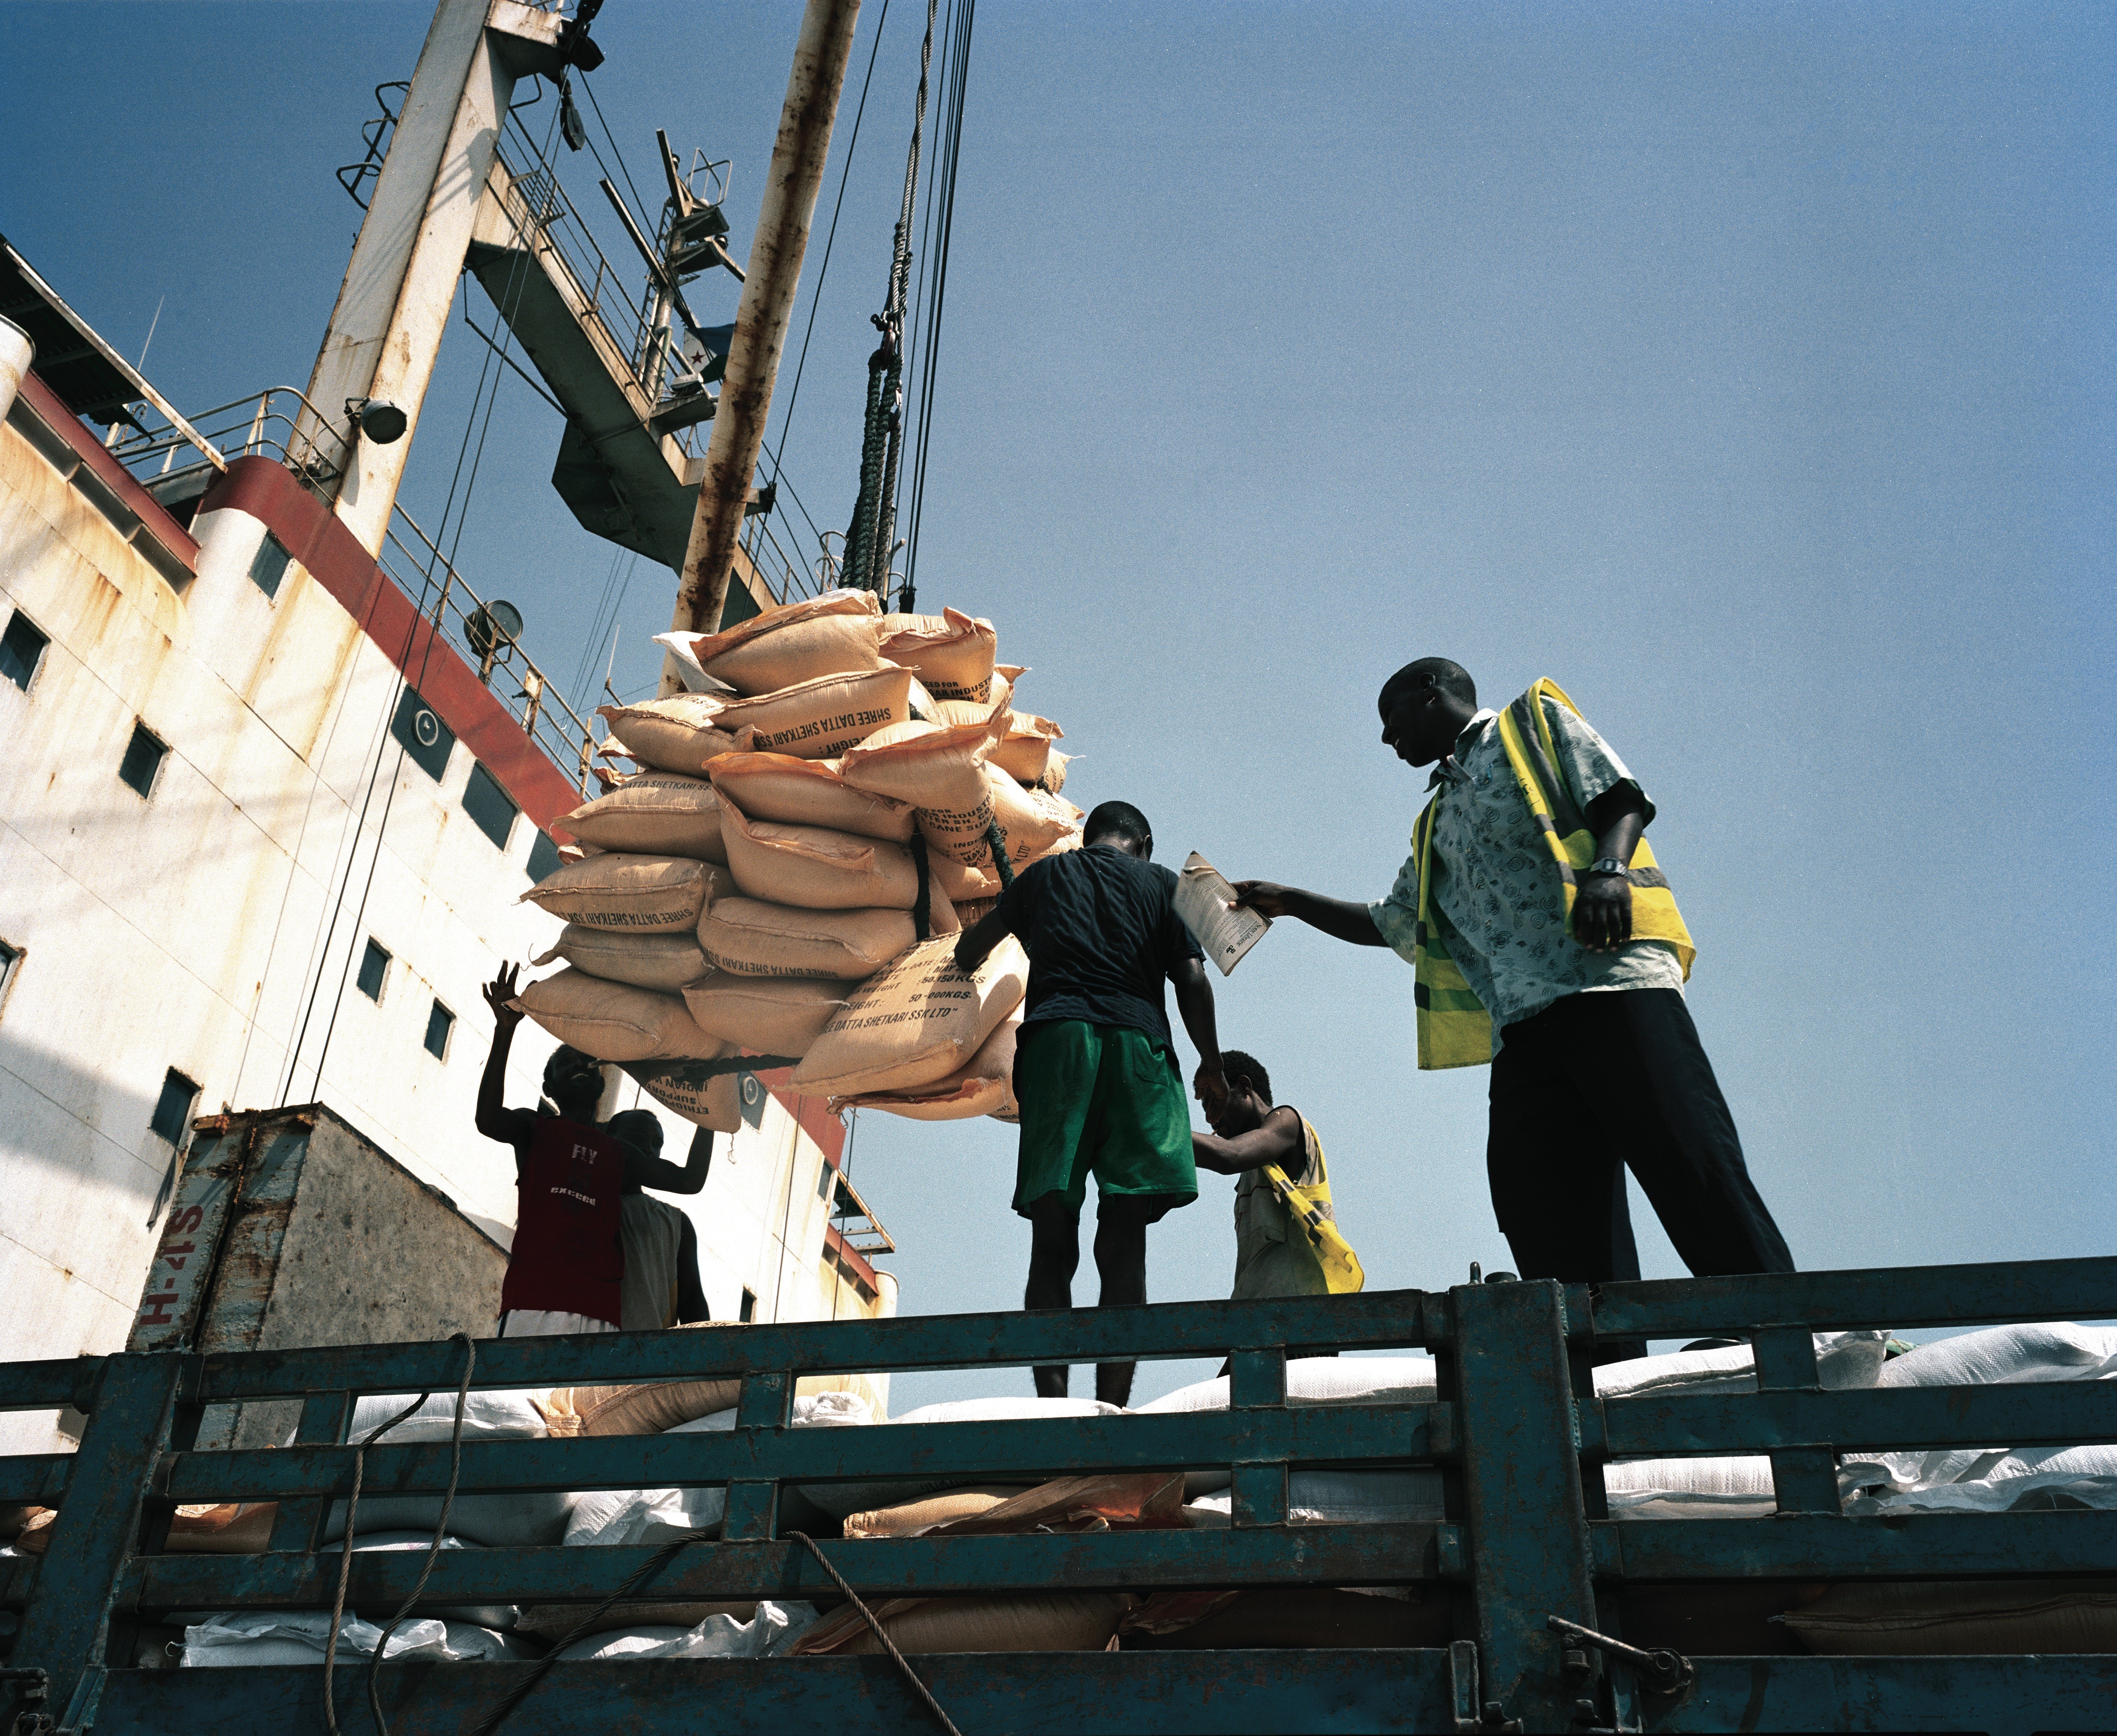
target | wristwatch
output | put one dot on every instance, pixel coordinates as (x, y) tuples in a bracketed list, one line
[(1606, 864)]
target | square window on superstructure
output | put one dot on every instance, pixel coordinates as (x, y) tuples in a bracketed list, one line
[(268, 566), (172, 1109), (374, 971), (748, 1305), (143, 759), (440, 1023), (21, 648), (490, 808), (543, 858), (427, 740)]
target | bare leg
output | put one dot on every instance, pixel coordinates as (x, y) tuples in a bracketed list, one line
[(1121, 1259), (1055, 1254)]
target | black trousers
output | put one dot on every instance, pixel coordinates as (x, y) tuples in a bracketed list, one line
[(1594, 1084)]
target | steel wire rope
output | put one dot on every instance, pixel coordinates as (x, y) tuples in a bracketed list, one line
[(925, 1694), (944, 192), (433, 1550), (485, 369)]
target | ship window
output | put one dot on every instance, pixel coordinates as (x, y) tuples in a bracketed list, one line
[(172, 1109), (440, 1022), (10, 957), (748, 1305), (143, 758), (490, 807), (374, 970), (268, 566), (423, 735), (21, 648), (543, 857)]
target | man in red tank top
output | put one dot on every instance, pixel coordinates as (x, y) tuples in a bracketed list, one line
[(566, 1271)]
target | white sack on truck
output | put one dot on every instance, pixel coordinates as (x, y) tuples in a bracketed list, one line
[(631, 894), (918, 1021), (615, 1022), (818, 869), (498, 1617), (809, 792), (840, 1499), (653, 813), (940, 771), (667, 963), (677, 734), (748, 937), (951, 654), (770, 1633), (982, 1086), (834, 634), (256, 1638), (767, 1015)]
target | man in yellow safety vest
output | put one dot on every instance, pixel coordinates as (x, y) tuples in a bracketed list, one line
[(1545, 940)]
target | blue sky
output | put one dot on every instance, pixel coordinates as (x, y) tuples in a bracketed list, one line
[(1745, 369)]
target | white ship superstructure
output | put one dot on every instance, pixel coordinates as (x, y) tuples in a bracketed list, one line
[(276, 777)]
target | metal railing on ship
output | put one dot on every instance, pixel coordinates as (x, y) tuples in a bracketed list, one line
[(1515, 1430)]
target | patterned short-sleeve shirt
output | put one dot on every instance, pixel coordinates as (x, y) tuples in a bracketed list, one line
[(1498, 904)]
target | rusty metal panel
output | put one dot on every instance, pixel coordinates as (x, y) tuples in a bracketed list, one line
[(174, 1295)]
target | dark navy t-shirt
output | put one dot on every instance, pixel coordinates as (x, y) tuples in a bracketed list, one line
[(1102, 934)]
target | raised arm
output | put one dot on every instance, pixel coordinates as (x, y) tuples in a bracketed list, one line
[(1278, 1141), (979, 938), (1194, 1001), (1340, 918), (493, 1118), (665, 1177)]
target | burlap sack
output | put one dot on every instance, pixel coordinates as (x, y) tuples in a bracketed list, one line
[(653, 813), (821, 719), (908, 1518), (983, 1085), (575, 1413), (809, 792), (953, 654), (916, 1022), (666, 962), (1033, 822), (631, 894), (677, 734), (940, 771), (816, 869), (1082, 1621), (1023, 753), (766, 1015), (750, 938), (216, 1528), (711, 1099), (830, 634), (1959, 1618), (1120, 1500), (614, 1022), (1055, 771)]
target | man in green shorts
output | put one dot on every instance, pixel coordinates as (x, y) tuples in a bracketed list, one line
[(1094, 1073)]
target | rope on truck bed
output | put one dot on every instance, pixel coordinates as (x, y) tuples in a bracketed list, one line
[(888, 1645)]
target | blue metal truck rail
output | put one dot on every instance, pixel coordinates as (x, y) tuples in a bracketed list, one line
[(1517, 1432)]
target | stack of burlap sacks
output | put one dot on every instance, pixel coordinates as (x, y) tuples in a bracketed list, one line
[(784, 874)]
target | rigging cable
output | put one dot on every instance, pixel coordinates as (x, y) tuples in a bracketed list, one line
[(944, 192)]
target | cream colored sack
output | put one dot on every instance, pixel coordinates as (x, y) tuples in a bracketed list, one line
[(916, 1022), (574, 1413), (637, 894), (653, 813), (1023, 753), (770, 1015), (1033, 822), (614, 1022), (663, 962), (828, 634), (908, 1518), (751, 938), (953, 654), (709, 1099), (821, 719), (1036, 1621), (940, 771), (817, 869), (677, 734), (983, 1085), (809, 792)]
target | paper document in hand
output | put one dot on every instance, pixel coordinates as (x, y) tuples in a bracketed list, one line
[(1205, 902)]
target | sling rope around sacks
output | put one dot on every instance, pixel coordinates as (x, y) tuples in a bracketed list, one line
[(433, 1550), (1454, 1029)]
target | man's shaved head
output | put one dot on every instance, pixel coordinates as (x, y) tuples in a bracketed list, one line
[(1434, 673)]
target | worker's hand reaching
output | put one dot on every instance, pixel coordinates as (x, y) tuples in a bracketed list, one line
[(1212, 1087), (1602, 911), (499, 992), (1266, 898)]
